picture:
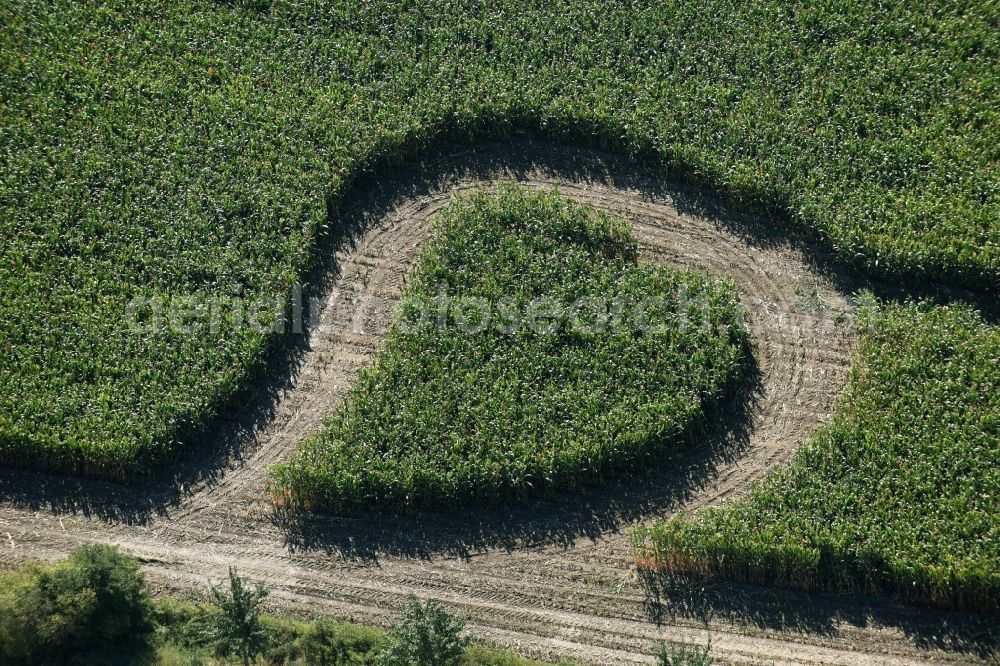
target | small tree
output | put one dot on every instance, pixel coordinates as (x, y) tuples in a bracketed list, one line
[(238, 625), (427, 636)]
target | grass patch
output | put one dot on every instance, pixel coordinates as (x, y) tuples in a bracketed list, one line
[(899, 494), (182, 628), (531, 354), (93, 608), (188, 150)]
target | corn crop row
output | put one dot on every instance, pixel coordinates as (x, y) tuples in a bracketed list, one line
[(899, 494)]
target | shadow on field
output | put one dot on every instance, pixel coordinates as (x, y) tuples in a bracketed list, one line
[(200, 462), (670, 599)]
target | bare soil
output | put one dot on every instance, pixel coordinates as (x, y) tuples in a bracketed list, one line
[(554, 579)]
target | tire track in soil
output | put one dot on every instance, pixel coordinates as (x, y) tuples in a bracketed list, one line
[(554, 579)]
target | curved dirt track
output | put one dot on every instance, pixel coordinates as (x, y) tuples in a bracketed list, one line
[(554, 579)]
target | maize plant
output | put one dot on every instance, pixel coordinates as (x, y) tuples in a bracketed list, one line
[(899, 494), (194, 149), (475, 407)]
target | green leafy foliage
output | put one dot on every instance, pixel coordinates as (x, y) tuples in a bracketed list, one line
[(189, 150), (900, 493), (184, 637), (684, 655), (427, 635), (465, 403), (187, 631), (78, 611), (93, 608), (323, 645), (237, 628)]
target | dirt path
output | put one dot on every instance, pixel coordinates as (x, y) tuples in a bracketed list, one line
[(549, 580)]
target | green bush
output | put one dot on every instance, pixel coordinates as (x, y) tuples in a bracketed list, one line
[(237, 626), (323, 645), (503, 411), (684, 655), (184, 624), (899, 494), (427, 635), (94, 603)]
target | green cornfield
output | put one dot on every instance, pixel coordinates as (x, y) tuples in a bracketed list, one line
[(531, 355), (192, 150), (899, 494)]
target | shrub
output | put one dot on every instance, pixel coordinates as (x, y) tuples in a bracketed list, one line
[(684, 655), (94, 602), (427, 636), (323, 645)]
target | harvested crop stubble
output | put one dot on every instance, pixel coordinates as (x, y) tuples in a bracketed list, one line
[(900, 493), (446, 415)]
